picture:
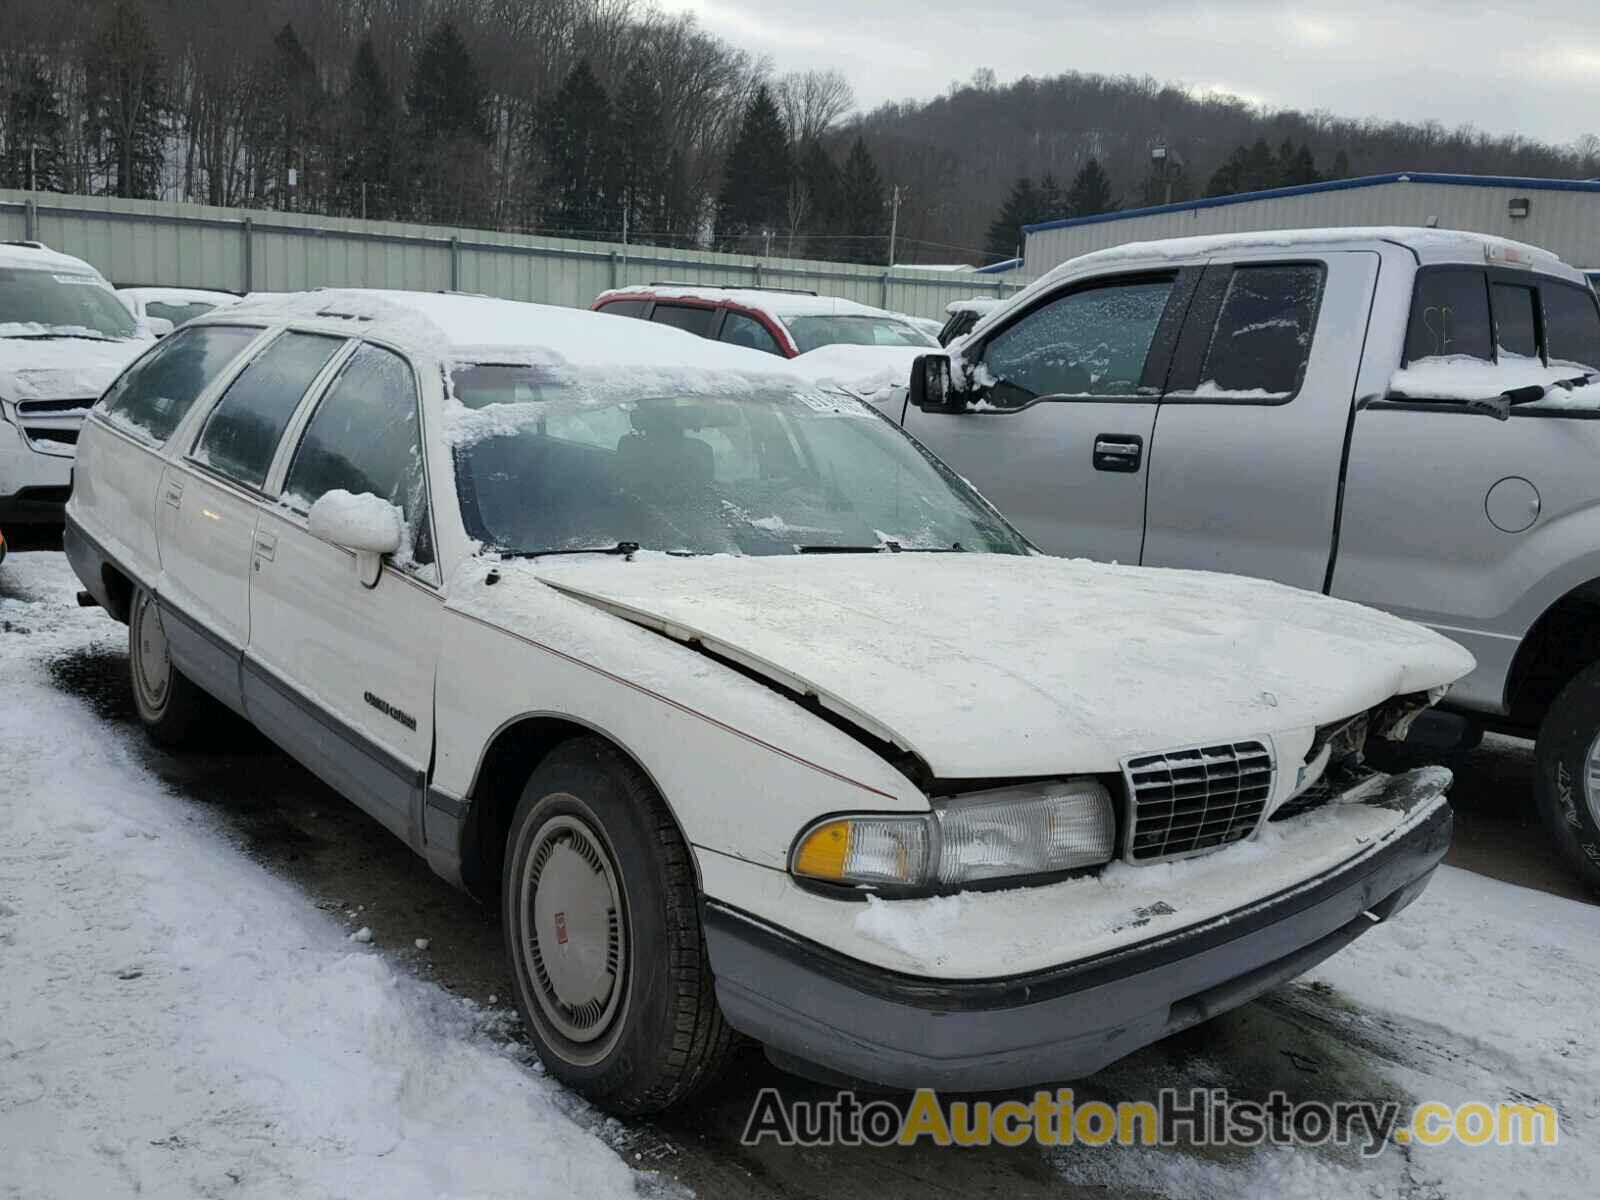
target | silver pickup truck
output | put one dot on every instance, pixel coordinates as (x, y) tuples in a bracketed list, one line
[(1401, 417)]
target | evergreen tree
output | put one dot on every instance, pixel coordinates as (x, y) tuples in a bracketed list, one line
[(817, 187), (1090, 193), (291, 113), (755, 179), (1296, 167), (451, 174), (1021, 208), (1247, 169), (368, 149), (1051, 200), (680, 217), (640, 155), (579, 157), (126, 94), (31, 153), (863, 221)]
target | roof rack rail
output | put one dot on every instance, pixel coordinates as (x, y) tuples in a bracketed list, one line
[(732, 287)]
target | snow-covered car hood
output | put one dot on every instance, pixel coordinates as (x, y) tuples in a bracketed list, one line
[(63, 368), (878, 374), (990, 666)]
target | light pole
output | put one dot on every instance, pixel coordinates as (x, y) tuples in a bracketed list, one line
[(1163, 158), (894, 223)]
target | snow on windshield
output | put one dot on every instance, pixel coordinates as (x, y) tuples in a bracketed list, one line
[(548, 459), (40, 303)]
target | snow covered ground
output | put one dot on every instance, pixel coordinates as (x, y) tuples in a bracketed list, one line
[(177, 1021)]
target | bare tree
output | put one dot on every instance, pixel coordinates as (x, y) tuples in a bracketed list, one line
[(811, 101)]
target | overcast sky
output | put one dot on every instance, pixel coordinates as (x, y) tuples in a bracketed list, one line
[(1529, 67)]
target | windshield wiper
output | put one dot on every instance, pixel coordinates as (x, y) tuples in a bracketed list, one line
[(882, 548), (61, 337), (626, 549)]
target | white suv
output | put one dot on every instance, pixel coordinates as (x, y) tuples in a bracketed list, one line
[(748, 713), (64, 335)]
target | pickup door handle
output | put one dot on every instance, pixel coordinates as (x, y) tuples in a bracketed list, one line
[(266, 545), (175, 493), (1120, 452)]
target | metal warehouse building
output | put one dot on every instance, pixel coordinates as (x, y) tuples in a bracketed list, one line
[(1561, 215)]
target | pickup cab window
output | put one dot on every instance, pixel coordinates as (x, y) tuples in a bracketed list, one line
[(1572, 325), (1087, 343), (364, 437), (1262, 340), (241, 433), (1516, 321), (1450, 315), (153, 396)]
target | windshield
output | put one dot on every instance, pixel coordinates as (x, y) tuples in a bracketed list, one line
[(178, 313), (547, 462), (811, 332), (36, 303)]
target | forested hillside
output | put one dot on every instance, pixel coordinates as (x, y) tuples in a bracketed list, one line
[(608, 119)]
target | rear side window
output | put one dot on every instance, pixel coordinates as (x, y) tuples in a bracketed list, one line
[(1516, 320), (1262, 339), (1572, 326), (740, 330), (364, 437), (686, 317), (242, 432), (1450, 316), (626, 308), (154, 396)]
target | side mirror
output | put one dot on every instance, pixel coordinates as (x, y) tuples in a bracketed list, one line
[(159, 326), (366, 524), (931, 388)]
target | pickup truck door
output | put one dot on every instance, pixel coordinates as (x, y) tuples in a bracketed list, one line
[(1060, 436), (1249, 438), (339, 673)]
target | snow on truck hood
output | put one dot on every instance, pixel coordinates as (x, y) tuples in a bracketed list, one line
[(63, 368), (997, 665)]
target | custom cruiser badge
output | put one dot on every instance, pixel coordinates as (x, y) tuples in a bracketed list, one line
[(389, 710)]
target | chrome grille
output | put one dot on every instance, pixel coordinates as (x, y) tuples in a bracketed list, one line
[(1188, 801)]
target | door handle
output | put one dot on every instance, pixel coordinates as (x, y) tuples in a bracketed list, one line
[(266, 545), (1119, 452), (175, 493)]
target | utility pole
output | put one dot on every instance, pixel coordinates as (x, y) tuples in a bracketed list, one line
[(363, 199), (766, 242), (894, 223)]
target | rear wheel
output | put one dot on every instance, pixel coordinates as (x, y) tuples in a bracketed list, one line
[(170, 706), (603, 933), (1568, 780)]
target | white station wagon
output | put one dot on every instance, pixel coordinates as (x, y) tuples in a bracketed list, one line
[(749, 714)]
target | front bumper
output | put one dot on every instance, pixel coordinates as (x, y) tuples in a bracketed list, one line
[(823, 1009), (33, 485)]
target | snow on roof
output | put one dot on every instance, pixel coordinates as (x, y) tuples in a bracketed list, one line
[(482, 328), (177, 295), (40, 257), (1429, 245), (780, 305)]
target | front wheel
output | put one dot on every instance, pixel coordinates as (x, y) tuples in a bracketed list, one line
[(1568, 779), (602, 929), (170, 705)]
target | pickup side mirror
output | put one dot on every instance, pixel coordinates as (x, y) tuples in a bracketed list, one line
[(931, 388), (366, 524)]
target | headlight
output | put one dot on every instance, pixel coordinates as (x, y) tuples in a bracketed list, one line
[(1009, 833)]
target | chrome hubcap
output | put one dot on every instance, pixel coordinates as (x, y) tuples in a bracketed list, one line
[(573, 929), (152, 664), (1591, 780)]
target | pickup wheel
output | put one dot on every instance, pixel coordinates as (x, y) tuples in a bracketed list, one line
[(602, 927), (1568, 779), (170, 706)]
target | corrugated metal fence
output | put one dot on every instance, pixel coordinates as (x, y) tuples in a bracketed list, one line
[(154, 242)]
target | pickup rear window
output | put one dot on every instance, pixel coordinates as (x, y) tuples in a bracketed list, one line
[(1450, 315), (1572, 325), (1466, 311)]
